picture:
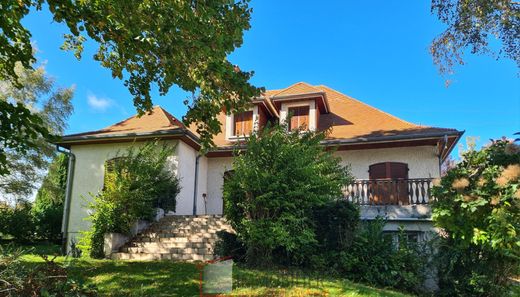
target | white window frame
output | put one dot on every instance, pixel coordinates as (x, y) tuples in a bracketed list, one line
[(284, 112), (230, 121)]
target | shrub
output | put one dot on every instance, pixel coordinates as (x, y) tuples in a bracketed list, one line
[(135, 184), (228, 245), (478, 208), (46, 279), (16, 221), (48, 206), (278, 180), (374, 258), (336, 223)]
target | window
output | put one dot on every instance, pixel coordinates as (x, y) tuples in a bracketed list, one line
[(243, 123), (299, 117), (112, 168)]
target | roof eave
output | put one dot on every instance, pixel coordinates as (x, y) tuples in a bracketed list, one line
[(375, 139), (67, 141)]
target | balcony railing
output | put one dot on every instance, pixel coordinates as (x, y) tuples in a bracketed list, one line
[(390, 191)]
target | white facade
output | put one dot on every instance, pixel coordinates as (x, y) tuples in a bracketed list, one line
[(422, 161)]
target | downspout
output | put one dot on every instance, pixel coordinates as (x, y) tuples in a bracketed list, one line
[(66, 204), (444, 142), (196, 184)]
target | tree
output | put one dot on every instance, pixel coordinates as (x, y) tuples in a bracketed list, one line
[(50, 106), (146, 43), (471, 24), (478, 208), (279, 178), (48, 205)]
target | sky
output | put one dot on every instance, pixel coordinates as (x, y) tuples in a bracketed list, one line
[(374, 51)]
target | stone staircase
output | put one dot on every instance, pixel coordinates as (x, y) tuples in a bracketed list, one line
[(184, 238)]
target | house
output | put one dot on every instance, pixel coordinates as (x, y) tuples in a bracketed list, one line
[(394, 161)]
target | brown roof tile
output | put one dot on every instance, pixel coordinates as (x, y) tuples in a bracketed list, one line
[(157, 120), (347, 119)]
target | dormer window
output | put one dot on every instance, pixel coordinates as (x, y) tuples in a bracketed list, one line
[(299, 117), (243, 123)]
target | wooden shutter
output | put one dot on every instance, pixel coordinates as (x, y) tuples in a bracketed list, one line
[(377, 171), (304, 117), (388, 183), (243, 123), (248, 122), (299, 117)]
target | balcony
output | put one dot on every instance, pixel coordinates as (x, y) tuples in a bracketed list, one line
[(399, 199)]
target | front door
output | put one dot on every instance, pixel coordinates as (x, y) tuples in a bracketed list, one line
[(388, 183)]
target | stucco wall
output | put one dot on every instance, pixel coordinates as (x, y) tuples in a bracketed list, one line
[(89, 174), (422, 160), (90, 159), (216, 169)]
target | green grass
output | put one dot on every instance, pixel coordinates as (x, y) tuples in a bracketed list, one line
[(167, 278)]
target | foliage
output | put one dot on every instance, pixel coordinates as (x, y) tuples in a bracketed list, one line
[(228, 245), (478, 207), (148, 43), (48, 205), (136, 183), (373, 257), (473, 24), (17, 222), (279, 178), (47, 279), (28, 113), (336, 223)]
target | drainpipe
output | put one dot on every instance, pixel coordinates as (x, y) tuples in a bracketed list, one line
[(66, 204), (196, 184)]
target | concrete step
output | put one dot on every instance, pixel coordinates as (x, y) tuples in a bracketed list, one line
[(160, 256), (167, 250), (183, 245), (186, 238), (176, 239), (176, 235)]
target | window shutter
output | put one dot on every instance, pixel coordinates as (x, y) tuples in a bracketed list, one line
[(304, 117), (377, 171), (243, 123)]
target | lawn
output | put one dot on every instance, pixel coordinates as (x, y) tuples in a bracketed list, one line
[(167, 278)]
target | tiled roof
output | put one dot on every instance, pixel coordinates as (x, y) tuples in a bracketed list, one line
[(296, 89), (351, 118), (158, 120), (347, 119)]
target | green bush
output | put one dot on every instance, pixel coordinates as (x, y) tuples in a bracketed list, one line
[(136, 182), (17, 222), (478, 208), (374, 258), (19, 278), (336, 223), (228, 245), (278, 180), (48, 206)]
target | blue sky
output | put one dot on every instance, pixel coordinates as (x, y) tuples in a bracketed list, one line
[(375, 51)]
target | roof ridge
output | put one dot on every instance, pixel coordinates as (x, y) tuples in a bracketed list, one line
[(171, 118), (295, 85), (372, 107)]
